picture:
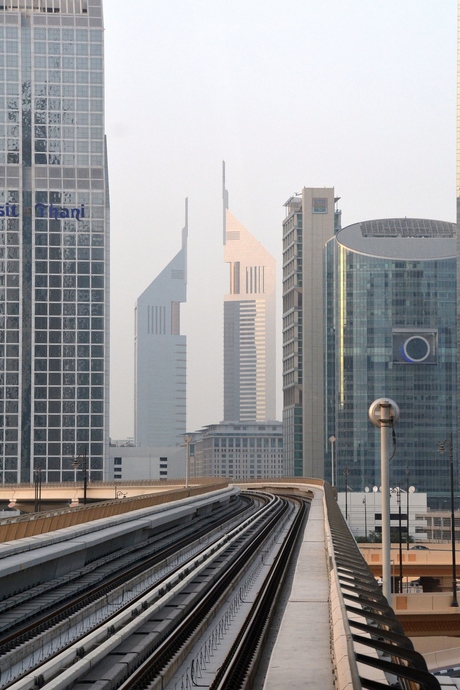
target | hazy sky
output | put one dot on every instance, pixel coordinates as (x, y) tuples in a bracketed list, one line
[(359, 95)]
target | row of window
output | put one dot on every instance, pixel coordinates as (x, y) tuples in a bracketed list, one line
[(55, 48), (57, 198), (248, 442), (81, 351), (56, 253), (69, 379), (12, 477), (69, 324), (63, 449), (80, 159), (68, 238), (43, 295), (68, 407), (71, 267), (242, 475), (56, 434), (51, 33)]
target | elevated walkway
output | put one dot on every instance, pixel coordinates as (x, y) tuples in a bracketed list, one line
[(298, 659)]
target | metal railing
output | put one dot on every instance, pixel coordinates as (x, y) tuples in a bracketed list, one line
[(378, 639)]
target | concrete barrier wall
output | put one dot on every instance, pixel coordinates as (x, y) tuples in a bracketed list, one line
[(423, 603), (40, 523)]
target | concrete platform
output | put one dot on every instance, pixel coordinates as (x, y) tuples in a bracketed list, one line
[(301, 657)]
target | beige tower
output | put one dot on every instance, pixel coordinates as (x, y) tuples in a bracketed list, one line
[(249, 325), (310, 222)]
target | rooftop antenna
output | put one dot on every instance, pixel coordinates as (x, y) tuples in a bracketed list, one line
[(225, 202), (184, 238)]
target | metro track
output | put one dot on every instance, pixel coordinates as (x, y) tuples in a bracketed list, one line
[(157, 668), (145, 644), (98, 582), (241, 664)]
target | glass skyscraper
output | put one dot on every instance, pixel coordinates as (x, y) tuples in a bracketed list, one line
[(53, 239), (390, 289)]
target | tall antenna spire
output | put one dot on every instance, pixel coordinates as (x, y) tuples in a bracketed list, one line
[(185, 228), (184, 238), (225, 201)]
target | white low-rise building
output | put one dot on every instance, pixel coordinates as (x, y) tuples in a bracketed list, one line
[(128, 462), (363, 512)]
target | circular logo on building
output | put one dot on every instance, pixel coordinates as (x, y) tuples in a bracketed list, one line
[(415, 349)]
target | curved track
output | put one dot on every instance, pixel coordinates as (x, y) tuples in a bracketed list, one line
[(144, 645), (102, 580)]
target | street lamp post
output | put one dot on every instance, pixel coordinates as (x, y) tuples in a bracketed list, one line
[(400, 542), (82, 460), (407, 508), (332, 440), (38, 489), (188, 439), (442, 447), (365, 515), (397, 491), (346, 472), (384, 413)]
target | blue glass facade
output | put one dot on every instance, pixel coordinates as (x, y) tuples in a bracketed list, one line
[(391, 331)]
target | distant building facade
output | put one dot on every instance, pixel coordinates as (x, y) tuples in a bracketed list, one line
[(238, 451), (364, 512), (249, 325), (311, 220), (160, 356), (127, 462), (390, 328)]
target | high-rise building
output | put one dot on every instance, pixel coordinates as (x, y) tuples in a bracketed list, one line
[(458, 208), (53, 240), (249, 325), (311, 220), (391, 332), (160, 356)]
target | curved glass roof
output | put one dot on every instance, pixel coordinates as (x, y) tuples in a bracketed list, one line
[(401, 238)]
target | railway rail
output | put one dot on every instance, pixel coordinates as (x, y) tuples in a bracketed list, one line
[(58, 610), (144, 645)]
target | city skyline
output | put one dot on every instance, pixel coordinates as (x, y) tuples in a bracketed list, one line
[(382, 131)]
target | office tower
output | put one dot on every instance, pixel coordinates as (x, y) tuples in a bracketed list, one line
[(53, 240), (458, 206), (309, 223), (391, 332), (249, 325), (160, 353)]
